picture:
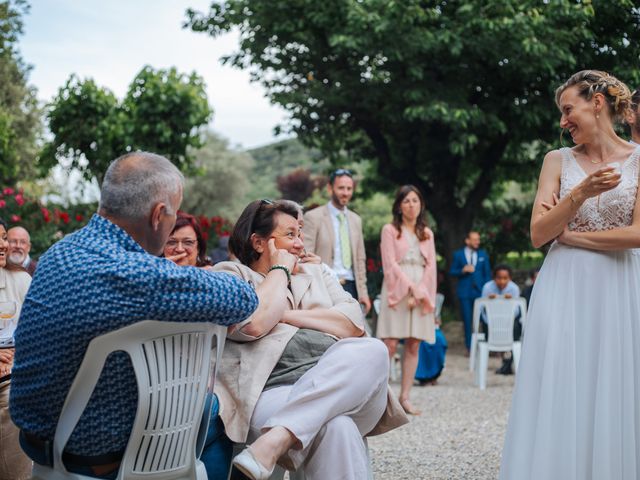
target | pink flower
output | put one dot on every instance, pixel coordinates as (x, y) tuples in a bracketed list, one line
[(3, 204), (8, 191), (15, 218), (19, 199)]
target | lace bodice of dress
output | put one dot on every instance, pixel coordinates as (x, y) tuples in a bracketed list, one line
[(615, 208)]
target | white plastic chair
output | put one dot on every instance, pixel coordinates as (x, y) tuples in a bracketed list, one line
[(172, 361), (500, 314), (439, 304), (476, 335)]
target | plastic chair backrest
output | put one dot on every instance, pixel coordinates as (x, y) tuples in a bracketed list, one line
[(501, 313), (172, 361), (439, 304)]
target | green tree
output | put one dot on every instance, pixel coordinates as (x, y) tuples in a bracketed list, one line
[(223, 183), (163, 111), (20, 124), (453, 96)]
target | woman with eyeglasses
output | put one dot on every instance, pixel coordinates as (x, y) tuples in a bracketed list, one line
[(186, 245), (14, 283), (297, 379)]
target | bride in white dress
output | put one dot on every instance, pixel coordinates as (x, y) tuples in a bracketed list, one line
[(575, 411)]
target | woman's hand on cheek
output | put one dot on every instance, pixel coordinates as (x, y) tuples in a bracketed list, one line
[(278, 256)]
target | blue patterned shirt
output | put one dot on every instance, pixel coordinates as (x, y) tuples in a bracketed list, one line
[(94, 281)]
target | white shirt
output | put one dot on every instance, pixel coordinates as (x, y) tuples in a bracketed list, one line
[(471, 256), (338, 267)]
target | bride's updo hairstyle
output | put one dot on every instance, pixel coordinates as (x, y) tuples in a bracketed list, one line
[(590, 82)]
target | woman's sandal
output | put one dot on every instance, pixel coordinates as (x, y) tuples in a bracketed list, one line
[(248, 464), (409, 409)]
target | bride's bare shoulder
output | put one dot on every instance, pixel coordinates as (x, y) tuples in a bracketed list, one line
[(552, 164)]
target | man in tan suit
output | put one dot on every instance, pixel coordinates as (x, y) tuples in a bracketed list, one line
[(334, 233)]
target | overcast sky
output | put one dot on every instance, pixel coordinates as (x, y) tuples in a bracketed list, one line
[(110, 41)]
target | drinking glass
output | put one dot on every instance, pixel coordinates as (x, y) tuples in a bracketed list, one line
[(7, 312)]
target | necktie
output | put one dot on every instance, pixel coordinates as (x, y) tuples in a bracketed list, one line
[(345, 246)]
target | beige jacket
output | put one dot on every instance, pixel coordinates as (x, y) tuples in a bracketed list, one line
[(319, 238), (248, 361)]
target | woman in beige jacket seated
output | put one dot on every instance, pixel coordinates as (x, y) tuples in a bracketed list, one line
[(297, 378)]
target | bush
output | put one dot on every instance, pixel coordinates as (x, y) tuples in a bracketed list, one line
[(45, 223)]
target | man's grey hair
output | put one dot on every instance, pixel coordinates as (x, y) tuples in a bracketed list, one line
[(137, 181)]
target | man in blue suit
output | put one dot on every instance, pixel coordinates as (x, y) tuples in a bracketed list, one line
[(472, 269)]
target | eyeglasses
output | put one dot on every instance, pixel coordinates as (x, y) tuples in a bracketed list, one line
[(339, 173), (22, 243), (187, 244)]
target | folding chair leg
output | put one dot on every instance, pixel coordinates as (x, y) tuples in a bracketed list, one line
[(517, 349), (472, 352), (393, 375), (483, 361)]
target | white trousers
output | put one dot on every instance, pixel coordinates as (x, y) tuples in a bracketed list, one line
[(330, 408)]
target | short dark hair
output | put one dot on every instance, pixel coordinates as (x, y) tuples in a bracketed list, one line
[(339, 172), (500, 267), (258, 217), (470, 232)]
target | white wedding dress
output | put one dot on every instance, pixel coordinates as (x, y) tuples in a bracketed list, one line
[(575, 412)]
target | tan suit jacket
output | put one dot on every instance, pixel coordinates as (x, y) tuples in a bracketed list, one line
[(248, 361), (319, 238)]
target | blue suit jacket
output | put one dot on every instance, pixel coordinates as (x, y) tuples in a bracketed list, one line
[(470, 284)]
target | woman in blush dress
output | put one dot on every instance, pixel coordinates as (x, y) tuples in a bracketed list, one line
[(576, 406), (409, 287)]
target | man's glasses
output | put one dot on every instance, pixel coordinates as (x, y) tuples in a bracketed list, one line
[(22, 243), (187, 244)]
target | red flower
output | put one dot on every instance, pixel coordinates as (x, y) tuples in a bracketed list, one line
[(46, 215), (19, 199), (79, 218), (8, 191), (15, 218), (64, 216), (507, 224), (2, 203)]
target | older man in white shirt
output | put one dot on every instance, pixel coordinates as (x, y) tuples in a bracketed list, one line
[(19, 248)]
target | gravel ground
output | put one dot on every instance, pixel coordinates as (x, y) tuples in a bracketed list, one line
[(460, 432)]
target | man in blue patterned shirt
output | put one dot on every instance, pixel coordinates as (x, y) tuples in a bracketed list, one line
[(103, 277)]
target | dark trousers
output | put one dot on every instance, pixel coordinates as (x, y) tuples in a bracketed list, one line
[(466, 308), (216, 454), (349, 286)]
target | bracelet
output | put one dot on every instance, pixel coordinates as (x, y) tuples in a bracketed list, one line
[(284, 268), (573, 200)]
